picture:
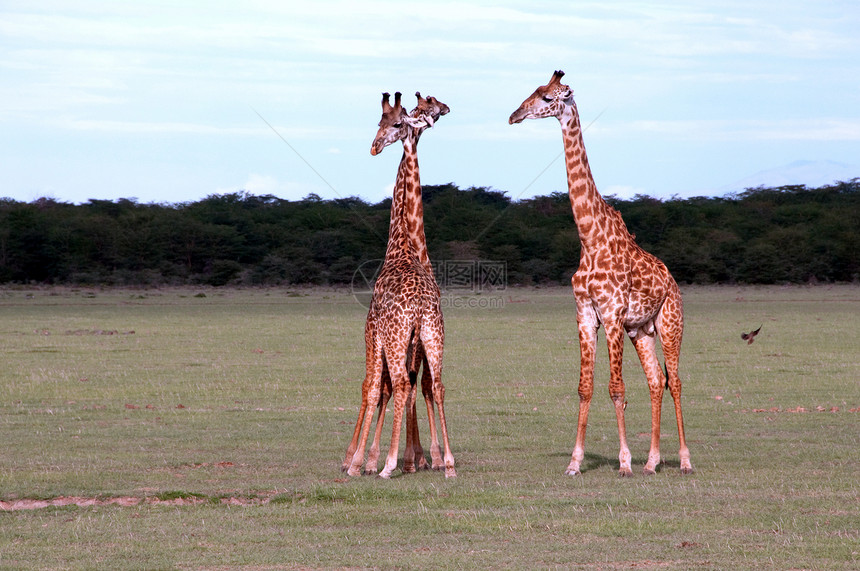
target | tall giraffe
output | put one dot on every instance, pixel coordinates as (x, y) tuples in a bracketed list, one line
[(429, 109), (618, 285), (405, 309)]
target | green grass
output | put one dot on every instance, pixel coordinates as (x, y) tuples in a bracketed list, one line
[(228, 415)]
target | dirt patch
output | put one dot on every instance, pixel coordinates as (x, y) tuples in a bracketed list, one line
[(96, 332), (801, 409), (130, 501), (86, 332), (28, 504)]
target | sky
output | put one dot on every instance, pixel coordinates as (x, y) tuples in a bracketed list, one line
[(173, 101)]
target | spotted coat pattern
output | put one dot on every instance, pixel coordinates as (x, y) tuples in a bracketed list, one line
[(404, 324), (618, 285)]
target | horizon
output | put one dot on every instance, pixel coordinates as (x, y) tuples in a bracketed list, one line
[(313, 197)]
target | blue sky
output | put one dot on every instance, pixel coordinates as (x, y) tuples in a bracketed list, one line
[(173, 101)]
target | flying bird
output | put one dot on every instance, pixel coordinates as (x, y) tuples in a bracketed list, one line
[(749, 337)]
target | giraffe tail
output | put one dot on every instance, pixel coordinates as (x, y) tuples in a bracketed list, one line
[(666, 374), (413, 358)]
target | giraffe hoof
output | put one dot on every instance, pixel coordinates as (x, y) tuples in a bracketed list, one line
[(625, 473), (450, 473), (649, 471), (686, 470), (353, 471), (572, 472), (369, 472), (409, 469)]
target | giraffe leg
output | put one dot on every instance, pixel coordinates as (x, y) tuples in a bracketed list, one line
[(420, 460), (433, 339), (372, 464), (670, 326), (439, 399), (353, 443), (372, 358), (683, 451), (615, 341), (373, 394), (587, 326), (356, 433), (427, 390), (416, 357), (647, 351), (400, 396), (409, 454)]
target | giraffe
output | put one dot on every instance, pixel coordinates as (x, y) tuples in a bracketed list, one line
[(618, 285), (405, 311), (429, 109)]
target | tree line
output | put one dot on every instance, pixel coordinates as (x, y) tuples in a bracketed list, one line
[(789, 234)]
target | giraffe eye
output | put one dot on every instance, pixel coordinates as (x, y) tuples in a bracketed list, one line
[(398, 125), (547, 99)]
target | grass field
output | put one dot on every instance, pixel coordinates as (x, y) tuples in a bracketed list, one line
[(159, 429)]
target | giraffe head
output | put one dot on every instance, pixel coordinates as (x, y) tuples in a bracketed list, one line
[(548, 100), (429, 109), (392, 126), (396, 123)]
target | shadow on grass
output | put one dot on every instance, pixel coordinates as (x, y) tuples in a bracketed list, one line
[(594, 461)]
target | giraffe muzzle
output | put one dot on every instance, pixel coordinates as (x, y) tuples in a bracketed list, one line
[(517, 116)]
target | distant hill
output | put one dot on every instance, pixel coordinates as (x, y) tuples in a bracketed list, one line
[(813, 174)]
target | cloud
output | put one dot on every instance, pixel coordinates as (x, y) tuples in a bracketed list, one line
[(810, 130), (499, 130), (181, 128), (143, 127), (264, 184)]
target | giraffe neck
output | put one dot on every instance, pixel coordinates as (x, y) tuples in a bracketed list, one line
[(593, 216), (399, 239), (414, 206)]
